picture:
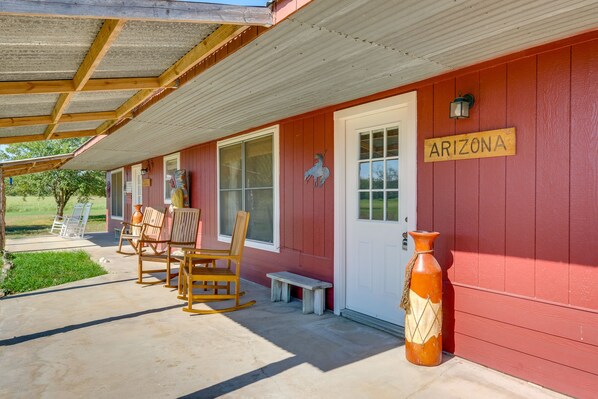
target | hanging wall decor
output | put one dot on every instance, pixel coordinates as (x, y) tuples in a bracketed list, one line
[(319, 172), (180, 189)]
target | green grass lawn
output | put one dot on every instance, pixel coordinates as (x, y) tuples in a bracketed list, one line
[(35, 270), (35, 215)]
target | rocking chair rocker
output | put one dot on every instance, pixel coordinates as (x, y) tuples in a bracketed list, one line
[(209, 276)]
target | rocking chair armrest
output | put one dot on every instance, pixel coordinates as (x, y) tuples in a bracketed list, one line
[(207, 256), (199, 250), (148, 241), (183, 245), (130, 224)]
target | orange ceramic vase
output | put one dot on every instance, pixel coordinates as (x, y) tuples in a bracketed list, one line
[(423, 321), (136, 219), (137, 215)]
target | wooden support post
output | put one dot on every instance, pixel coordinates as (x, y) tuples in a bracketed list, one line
[(2, 212)]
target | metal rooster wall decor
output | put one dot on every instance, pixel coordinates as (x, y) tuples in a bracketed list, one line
[(319, 172)]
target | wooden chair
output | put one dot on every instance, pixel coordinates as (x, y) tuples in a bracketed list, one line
[(149, 228), (183, 234), (209, 276)]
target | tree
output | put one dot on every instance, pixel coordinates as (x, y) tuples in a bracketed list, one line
[(61, 184)]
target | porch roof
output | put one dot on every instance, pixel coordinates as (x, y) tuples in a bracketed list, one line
[(330, 52), (33, 165), (76, 68)]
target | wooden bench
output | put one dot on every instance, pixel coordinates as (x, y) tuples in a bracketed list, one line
[(313, 290)]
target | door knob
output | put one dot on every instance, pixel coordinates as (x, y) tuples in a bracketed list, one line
[(405, 241)]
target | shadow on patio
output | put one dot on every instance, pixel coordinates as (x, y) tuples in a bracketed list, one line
[(107, 337)]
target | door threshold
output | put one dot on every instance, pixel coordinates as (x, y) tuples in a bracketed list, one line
[(392, 329)]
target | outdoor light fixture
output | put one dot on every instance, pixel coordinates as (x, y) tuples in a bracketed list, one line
[(144, 171), (460, 107)]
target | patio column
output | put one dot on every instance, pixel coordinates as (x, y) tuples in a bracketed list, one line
[(2, 211)]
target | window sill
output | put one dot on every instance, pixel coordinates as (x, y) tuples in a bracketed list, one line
[(117, 217), (253, 244)]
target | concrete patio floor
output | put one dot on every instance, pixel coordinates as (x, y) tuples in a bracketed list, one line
[(107, 337)]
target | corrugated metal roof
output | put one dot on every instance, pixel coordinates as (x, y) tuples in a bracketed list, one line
[(154, 47), (331, 52), (71, 127), (33, 165), (52, 48), (36, 48), (30, 105), (23, 130), (98, 101)]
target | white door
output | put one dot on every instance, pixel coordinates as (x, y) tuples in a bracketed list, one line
[(380, 207), (137, 193)]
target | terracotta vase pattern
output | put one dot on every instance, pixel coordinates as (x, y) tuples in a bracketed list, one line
[(423, 321)]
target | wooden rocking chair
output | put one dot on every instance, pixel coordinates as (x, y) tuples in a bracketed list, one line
[(149, 228), (209, 276), (183, 234)]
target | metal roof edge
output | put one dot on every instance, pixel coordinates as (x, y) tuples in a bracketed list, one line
[(38, 159)]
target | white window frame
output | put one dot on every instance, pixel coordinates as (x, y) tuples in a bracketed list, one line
[(165, 159), (122, 193), (274, 131), (134, 192)]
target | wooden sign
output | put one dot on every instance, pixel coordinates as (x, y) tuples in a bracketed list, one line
[(146, 182), (491, 143)]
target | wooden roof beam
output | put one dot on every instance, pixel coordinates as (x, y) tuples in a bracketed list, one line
[(65, 118), (104, 39), (207, 47), (67, 86), (40, 137), (144, 10)]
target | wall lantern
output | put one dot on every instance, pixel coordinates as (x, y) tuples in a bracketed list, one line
[(460, 107), (144, 171)]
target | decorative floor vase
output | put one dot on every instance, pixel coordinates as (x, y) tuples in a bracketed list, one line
[(136, 219), (423, 316)]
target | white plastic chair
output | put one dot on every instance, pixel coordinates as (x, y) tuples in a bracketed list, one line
[(76, 227), (59, 221)]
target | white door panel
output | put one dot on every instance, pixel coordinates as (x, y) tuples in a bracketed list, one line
[(379, 207)]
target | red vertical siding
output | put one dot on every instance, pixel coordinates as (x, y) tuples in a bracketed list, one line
[(492, 189), (466, 193), (425, 171), (444, 181), (319, 195), (444, 206), (521, 172), (287, 201), (298, 183), (583, 223), (519, 228), (308, 189), (552, 176)]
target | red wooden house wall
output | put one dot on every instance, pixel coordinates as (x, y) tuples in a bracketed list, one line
[(518, 234)]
